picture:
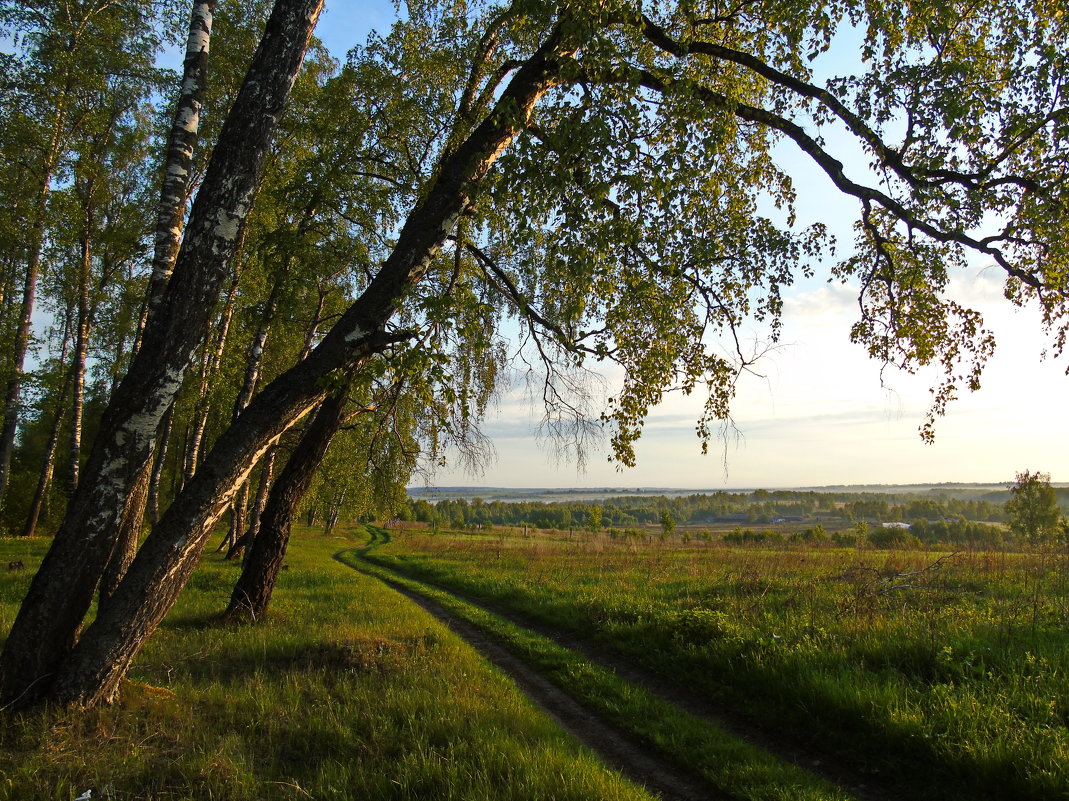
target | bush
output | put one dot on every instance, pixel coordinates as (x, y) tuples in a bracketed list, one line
[(893, 538), (811, 535), (847, 539)]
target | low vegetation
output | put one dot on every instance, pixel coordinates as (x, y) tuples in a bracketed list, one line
[(345, 691), (732, 765), (950, 663), (956, 516)]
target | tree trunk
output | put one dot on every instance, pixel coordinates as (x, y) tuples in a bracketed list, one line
[(13, 394), (92, 671), (142, 496), (153, 501), (266, 474), (178, 164), (29, 292), (59, 596), (126, 543), (334, 513), (81, 349), (242, 544), (238, 515), (252, 593), (253, 363), (170, 216), (47, 467), (49, 462), (209, 368)]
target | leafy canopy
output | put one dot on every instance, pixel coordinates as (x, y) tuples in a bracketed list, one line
[(1033, 508), (647, 209)]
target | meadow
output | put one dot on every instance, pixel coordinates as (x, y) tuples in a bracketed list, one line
[(345, 691), (941, 674), (925, 674)]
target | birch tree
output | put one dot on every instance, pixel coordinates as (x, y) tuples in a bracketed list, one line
[(75, 49), (63, 587), (604, 172)]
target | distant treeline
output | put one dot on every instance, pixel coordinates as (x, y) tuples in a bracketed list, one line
[(756, 508)]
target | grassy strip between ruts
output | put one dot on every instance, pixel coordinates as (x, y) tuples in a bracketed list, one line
[(344, 691), (738, 768)]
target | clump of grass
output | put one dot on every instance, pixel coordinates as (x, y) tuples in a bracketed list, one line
[(344, 691)]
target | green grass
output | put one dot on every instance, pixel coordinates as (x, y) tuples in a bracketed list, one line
[(735, 767), (955, 676), (345, 691)]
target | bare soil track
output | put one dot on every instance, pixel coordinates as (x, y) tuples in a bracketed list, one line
[(635, 759)]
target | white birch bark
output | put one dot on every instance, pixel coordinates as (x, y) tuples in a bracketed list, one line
[(59, 597)]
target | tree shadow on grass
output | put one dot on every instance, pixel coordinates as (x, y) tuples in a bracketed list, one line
[(357, 655)]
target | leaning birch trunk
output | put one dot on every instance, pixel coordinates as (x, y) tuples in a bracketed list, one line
[(94, 668), (126, 542), (252, 593), (170, 214), (50, 617)]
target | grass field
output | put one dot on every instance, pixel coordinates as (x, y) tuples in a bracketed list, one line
[(731, 766), (346, 691), (936, 675), (942, 673)]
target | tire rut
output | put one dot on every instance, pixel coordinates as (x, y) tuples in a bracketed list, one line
[(813, 759), (622, 752)]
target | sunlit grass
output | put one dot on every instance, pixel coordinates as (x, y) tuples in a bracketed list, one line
[(735, 767), (954, 675), (345, 691)]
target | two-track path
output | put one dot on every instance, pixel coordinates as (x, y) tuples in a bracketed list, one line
[(635, 759)]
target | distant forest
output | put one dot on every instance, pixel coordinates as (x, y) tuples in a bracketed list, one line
[(791, 514)]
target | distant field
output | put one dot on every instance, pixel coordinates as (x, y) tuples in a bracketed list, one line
[(945, 671)]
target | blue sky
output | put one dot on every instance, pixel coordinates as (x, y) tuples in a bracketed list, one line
[(822, 413)]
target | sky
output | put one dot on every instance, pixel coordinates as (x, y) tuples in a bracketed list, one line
[(821, 413)]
